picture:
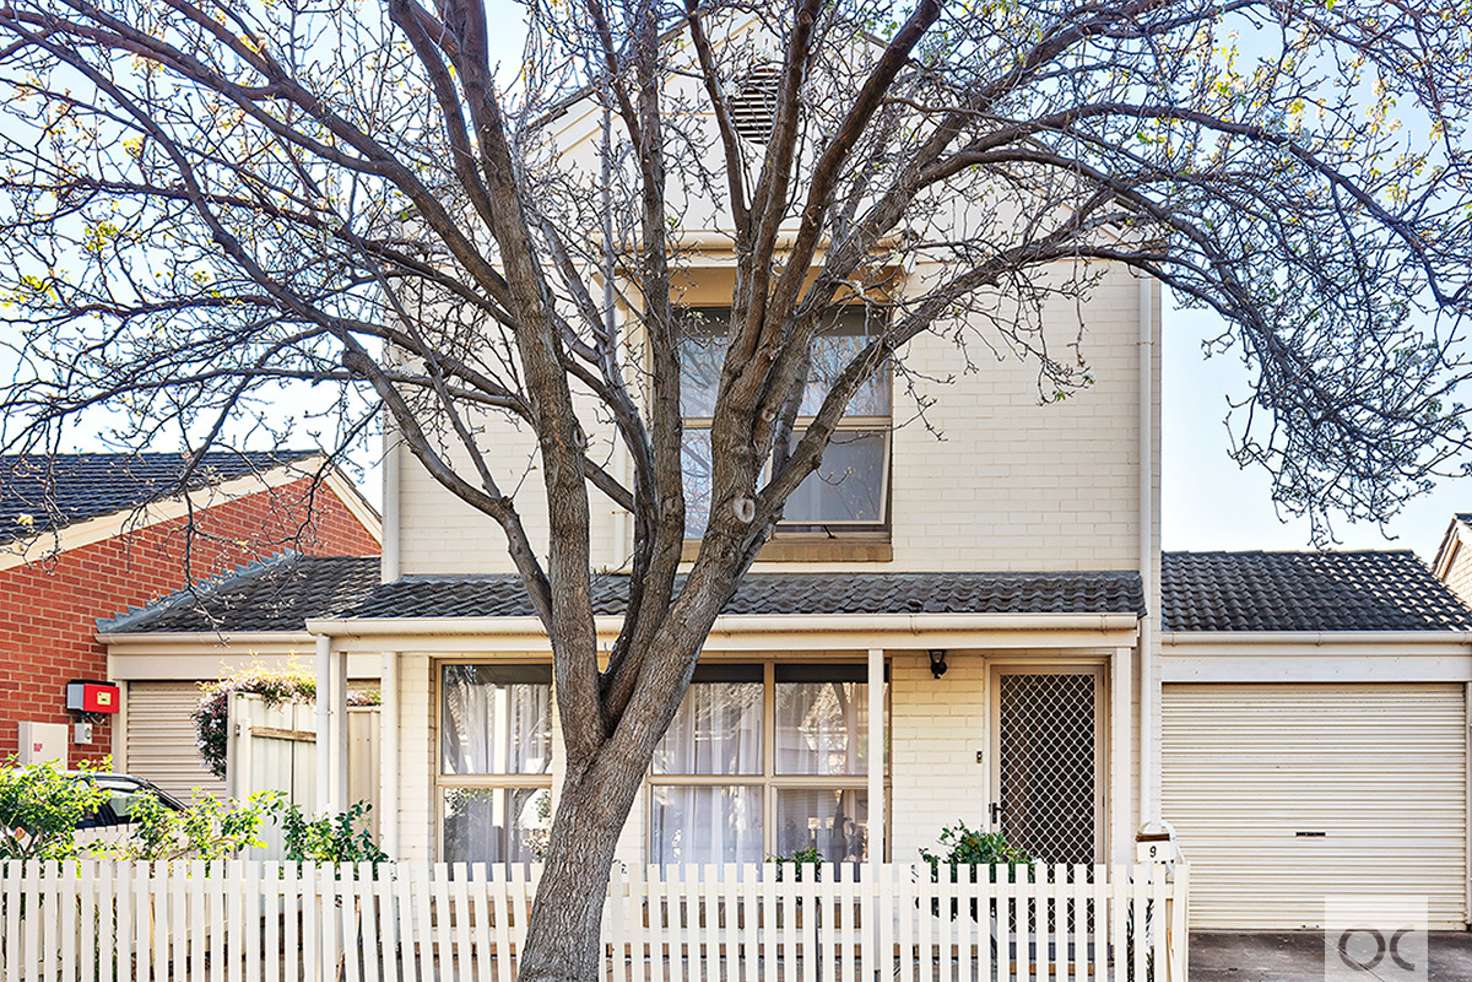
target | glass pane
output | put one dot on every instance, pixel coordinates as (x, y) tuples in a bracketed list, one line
[(833, 350), (705, 824), (702, 352), (496, 719), (822, 727), (832, 821), (717, 730), (695, 464), (848, 485), (497, 825)]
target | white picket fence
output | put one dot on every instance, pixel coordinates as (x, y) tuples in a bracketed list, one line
[(283, 922)]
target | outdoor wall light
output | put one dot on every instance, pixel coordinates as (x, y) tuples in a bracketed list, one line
[(938, 664)]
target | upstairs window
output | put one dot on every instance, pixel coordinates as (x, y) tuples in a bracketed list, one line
[(850, 489)]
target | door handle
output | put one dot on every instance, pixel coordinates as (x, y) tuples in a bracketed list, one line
[(996, 811)]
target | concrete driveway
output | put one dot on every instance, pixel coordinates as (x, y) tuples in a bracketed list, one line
[(1298, 956)]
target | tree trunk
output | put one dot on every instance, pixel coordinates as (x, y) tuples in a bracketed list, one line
[(563, 943)]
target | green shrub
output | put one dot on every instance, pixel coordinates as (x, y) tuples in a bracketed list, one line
[(809, 857), (40, 807), (962, 846), (330, 838), (211, 828)]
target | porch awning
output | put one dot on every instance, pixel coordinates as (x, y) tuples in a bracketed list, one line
[(797, 594)]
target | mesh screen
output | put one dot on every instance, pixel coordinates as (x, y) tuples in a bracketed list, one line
[(1046, 758)]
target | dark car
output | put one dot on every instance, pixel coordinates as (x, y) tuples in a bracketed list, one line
[(123, 791)]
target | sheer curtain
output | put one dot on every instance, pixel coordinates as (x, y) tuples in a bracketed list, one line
[(705, 824), (834, 822), (496, 720), (716, 731), (497, 825), (822, 724)]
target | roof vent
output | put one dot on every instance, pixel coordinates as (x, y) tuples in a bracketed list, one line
[(754, 103)]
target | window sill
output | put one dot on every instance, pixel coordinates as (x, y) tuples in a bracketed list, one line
[(805, 549)]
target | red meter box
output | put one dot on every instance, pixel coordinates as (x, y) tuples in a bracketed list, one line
[(88, 696)]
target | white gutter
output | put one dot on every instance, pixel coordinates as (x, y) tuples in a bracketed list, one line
[(205, 637), (1149, 744), (1325, 638), (739, 624)]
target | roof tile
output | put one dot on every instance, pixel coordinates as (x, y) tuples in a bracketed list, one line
[(791, 593), (279, 594), (45, 493), (1305, 591)]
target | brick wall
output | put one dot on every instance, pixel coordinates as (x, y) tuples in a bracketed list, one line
[(49, 609)]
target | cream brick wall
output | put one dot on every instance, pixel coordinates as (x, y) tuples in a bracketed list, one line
[(996, 481), (1459, 573), (416, 757), (440, 533), (938, 725)]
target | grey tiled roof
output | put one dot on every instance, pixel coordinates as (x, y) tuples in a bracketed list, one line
[(278, 594), (1200, 591), (45, 493), (792, 593), (1305, 591)]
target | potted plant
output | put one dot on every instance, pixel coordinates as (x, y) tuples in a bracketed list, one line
[(960, 847)]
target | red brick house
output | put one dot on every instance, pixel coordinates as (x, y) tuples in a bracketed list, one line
[(85, 536)]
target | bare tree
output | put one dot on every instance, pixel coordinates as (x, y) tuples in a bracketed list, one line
[(208, 202)]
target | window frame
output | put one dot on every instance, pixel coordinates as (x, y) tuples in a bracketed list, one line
[(507, 782), (883, 425), (770, 782)]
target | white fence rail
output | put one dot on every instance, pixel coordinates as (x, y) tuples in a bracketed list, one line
[(416, 922)]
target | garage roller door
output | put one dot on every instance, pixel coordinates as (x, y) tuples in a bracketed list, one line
[(161, 739), (1285, 794)]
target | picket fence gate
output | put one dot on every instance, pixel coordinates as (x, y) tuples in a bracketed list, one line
[(251, 921)]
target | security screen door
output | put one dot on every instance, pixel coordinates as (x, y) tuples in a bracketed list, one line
[(1047, 740)]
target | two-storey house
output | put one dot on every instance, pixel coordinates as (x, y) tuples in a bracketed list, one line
[(965, 619)]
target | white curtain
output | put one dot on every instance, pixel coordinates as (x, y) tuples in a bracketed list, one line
[(705, 824), (822, 727), (494, 722), (717, 730)]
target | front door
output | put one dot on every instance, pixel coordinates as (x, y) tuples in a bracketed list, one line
[(1047, 756)]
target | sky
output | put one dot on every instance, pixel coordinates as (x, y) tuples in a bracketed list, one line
[(1207, 502)]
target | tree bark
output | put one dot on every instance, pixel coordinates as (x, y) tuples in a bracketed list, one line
[(563, 942)]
